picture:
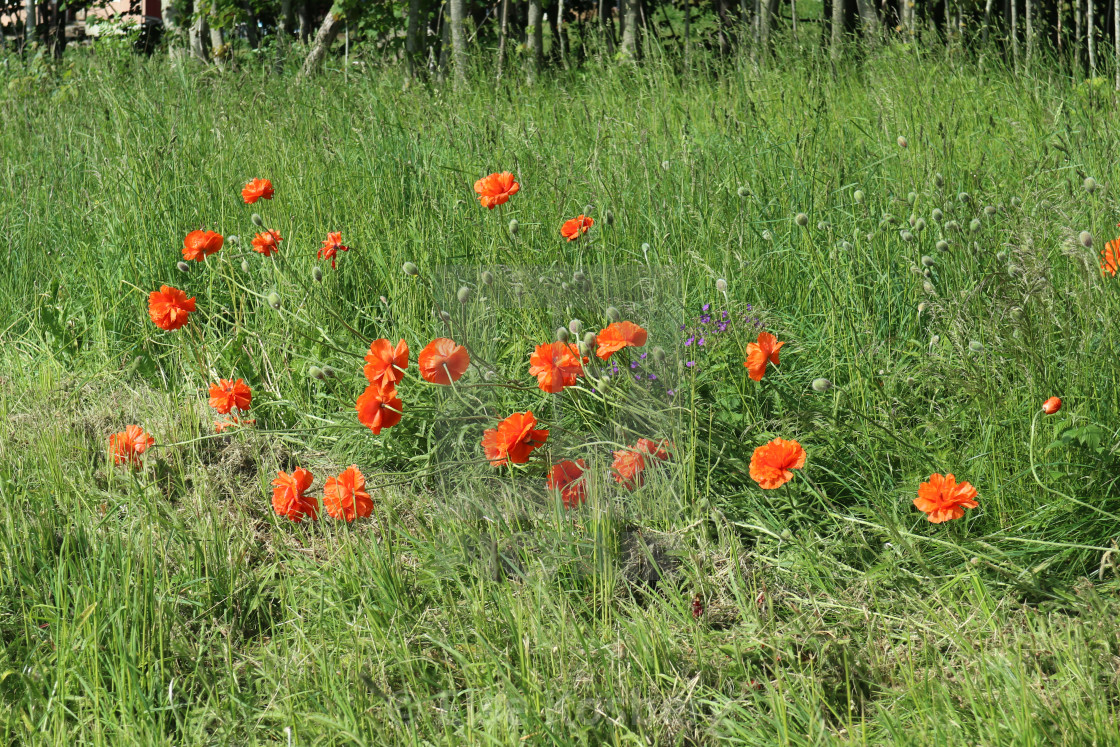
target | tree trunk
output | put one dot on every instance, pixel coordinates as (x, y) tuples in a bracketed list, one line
[(304, 20), (1015, 34), (173, 29), (1091, 31), (629, 30), (1116, 39), (838, 27), (198, 34), (606, 25), (217, 38), (287, 18), (412, 42), (534, 39), (768, 10), (328, 32), (251, 25), (444, 46), (503, 35), (1028, 27), (561, 34), (868, 18), (30, 21), (458, 43)]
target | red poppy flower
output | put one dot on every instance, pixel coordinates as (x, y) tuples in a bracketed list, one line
[(567, 477), (127, 446), (556, 365), (228, 394), (256, 189), (288, 497), (513, 440), (385, 365), (496, 189), (620, 335), (628, 467), (942, 499), (345, 496), (760, 353), (169, 307), (379, 407), (658, 449), (198, 245), (332, 246), (221, 426), (576, 227), (267, 243), (771, 463), (442, 361), (1110, 257), (1052, 405)]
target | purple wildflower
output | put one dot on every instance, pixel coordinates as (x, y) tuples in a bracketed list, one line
[(690, 364)]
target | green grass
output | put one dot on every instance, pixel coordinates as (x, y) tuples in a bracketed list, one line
[(170, 605)]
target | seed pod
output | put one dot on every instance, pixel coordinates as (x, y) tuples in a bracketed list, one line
[(317, 274), (974, 225), (487, 277), (902, 142), (316, 373), (820, 386), (613, 314), (273, 300), (562, 334), (942, 245), (183, 266), (410, 269), (937, 215), (244, 265), (1090, 184), (1086, 239), (927, 260), (514, 226), (742, 192), (801, 219), (464, 294), (257, 220), (858, 196)]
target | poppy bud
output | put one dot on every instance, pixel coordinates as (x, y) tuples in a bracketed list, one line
[(1086, 239), (603, 384), (645, 248), (317, 274), (316, 373), (742, 191), (584, 349), (767, 236), (963, 197), (514, 226), (659, 354), (562, 334), (665, 165), (927, 273), (445, 315), (183, 266), (565, 286), (487, 278), (902, 142), (927, 260), (721, 285), (920, 225), (942, 245), (974, 561), (1090, 184), (1016, 202), (330, 372), (1017, 314), (906, 236), (464, 294), (801, 219), (938, 180), (858, 196), (1014, 270), (578, 277), (974, 226), (1051, 405), (927, 286), (822, 225), (590, 339), (976, 346), (274, 300), (613, 314), (952, 226), (888, 219), (257, 220), (1001, 256), (820, 386), (609, 218), (922, 307), (845, 246), (912, 197), (410, 268), (990, 210), (911, 382), (575, 326), (935, 340), (232, 240), (244, 265), (937, 215)]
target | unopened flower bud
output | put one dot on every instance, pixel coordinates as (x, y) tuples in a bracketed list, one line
[(316, 373), (562, 334), (928, 287), (920, 225), (964, 197), (822, 225), (942, 245), (330, 372), (608, 218), (902, 142), (721, 285), (906, 236), (575, 326), (974, 225), (938, 180), (1090, 184), (952, 226), (487, 277), (578, 276), (464, 294), (1086, 239), (317, 274), (912, 197), (514, 226), (911, 382), (183, 266), (927, 260), (590, 339), (976, 346), (444, 315), (937, 215), (584, 349), (244, 265), (274, 300), (613, 314), (990, 210), (645, 248), (742, 191), (858, 196), (411, 269), (257, 220), (659, 354), (801, 219), (1017, 313), (820, 386)]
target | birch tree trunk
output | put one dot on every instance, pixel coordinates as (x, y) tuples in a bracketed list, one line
[(412, 43), (173, 28), (687, 33), (30, 21), (1091, 31), (503, 34), (458, 43), (1015, 35), (198, 34), (769, 9), (629, 30), (837, 29), (328, 32), (534, 38), (868, 18), (561, 35), (1028, 26)]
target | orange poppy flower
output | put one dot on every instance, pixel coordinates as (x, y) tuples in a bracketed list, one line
[(228, 394), (442, 361), (771, 463), (332, 246), (513, 440), (221, 426), (760, 353), (385, 365), (288, 497), (496, 189), (619, 335), (1052, 405), (267, 243), (127, 446), (169, 307), (256, 189), (576, 227), (658, 449), (556, 365), (942, 499), (379, 407), (345, 496), (567, 477), (628, 467), (198, 245), (1110, 257)]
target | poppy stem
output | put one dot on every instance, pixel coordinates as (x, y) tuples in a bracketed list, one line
[(1037, 479)]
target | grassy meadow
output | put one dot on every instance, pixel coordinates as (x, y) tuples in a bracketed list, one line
[(940, 284)]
